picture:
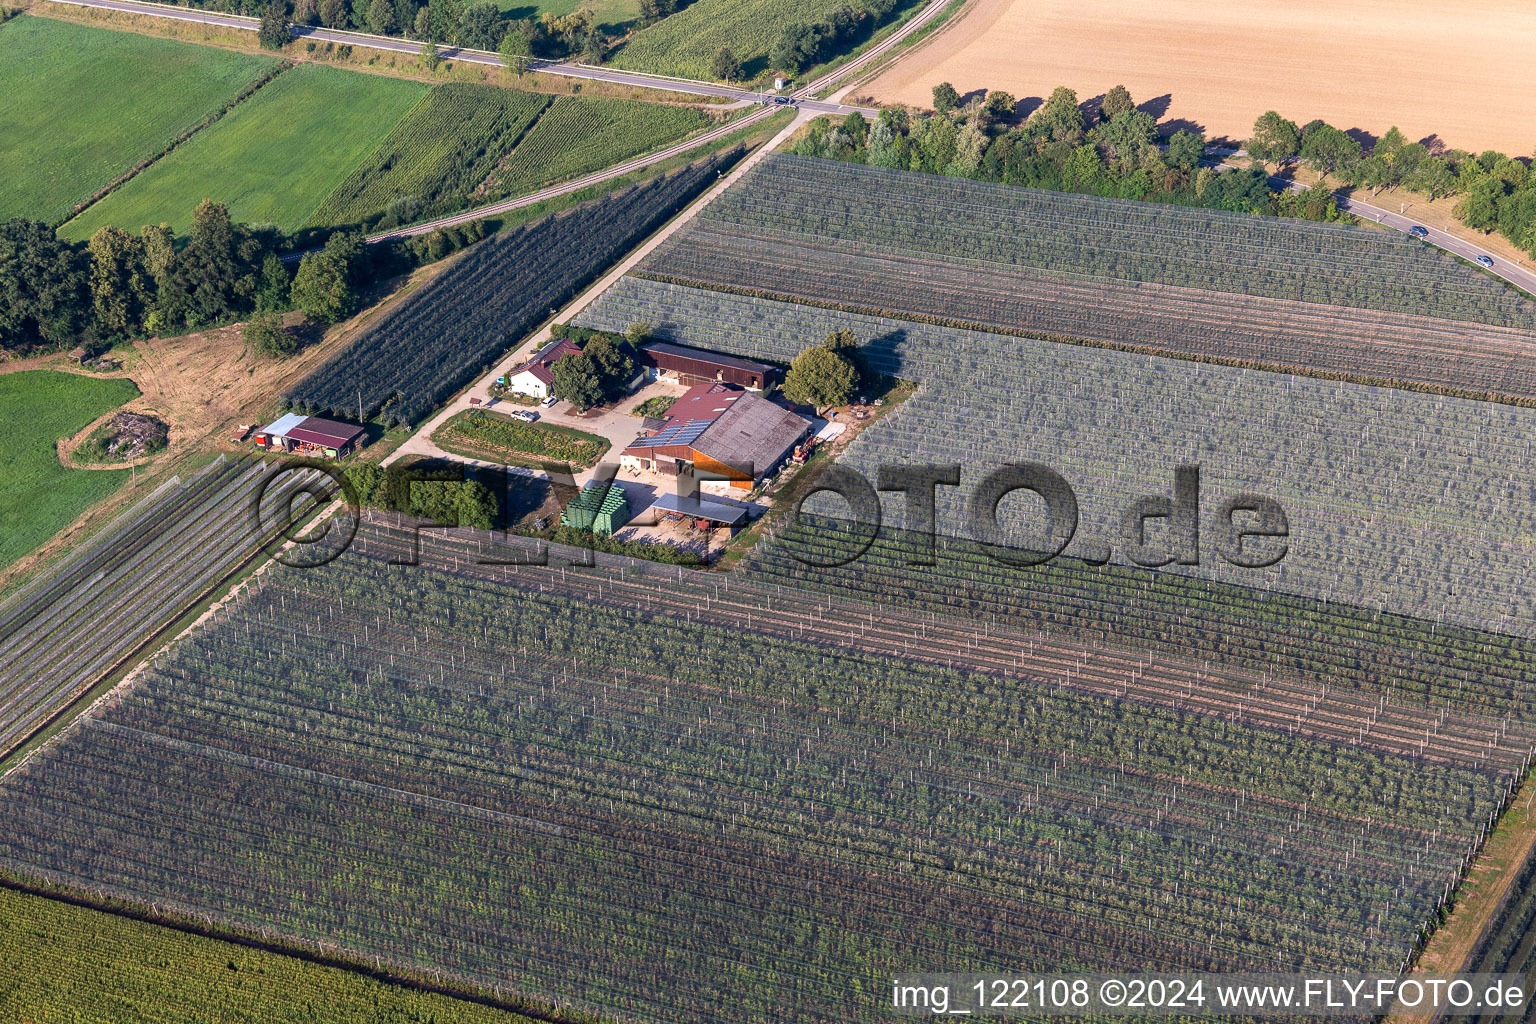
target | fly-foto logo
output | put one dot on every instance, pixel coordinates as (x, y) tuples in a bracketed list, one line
[(1250, 531)]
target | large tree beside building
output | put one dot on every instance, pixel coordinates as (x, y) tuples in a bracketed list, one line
[(822, 375), (576, 380)]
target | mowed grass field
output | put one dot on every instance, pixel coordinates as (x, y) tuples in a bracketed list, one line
[(38, 495), (1461, 72), (80, 106), (683, 43), (272, 160), (65, 964)]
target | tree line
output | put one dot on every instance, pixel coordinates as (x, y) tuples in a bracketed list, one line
[(117, 286), (1498, 192), (802, 44), (1115, 152), (478, 25)]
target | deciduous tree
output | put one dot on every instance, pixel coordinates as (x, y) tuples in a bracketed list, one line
[(575, 379), (273, 33), (1274, 138), (725, 66), (265, 334), (1117, 101), (820, 377), (945, 98), (381, 17)]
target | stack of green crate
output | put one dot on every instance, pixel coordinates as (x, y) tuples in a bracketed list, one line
[(599, 507)]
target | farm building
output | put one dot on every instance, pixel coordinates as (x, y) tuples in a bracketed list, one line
[(600, 507), (533, 378), (743, 443), (700, 510), (309, 435), (698, 366)]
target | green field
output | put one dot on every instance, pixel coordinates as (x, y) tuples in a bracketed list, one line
[(608, 14), (435, 157), (65, 964), (38, 495), (271, 160), (84, 105), (683, 43), (579, 135)]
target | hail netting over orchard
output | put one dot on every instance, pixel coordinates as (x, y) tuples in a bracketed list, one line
[(993, 224), (437, 340), (1397, 500), (71, 626), (1325, 299), (528, 779)]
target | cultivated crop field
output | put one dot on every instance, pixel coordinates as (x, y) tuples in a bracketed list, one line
[(527, 778), (1395, 499), (841, 209), (581, 134), (436, 341), (498, 436), (64, 963), (272, 160), (1470, 90), (435, 157), (38, 495), (70, 627), (683, 43), (1121, 275), (89, 110)]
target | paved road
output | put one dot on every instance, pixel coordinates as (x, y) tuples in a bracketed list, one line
[(606, 174), (420, 443), (874, 53), (1515, 274), (567, 70)]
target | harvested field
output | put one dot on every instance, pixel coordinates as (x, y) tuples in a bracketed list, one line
[(1431, 68)]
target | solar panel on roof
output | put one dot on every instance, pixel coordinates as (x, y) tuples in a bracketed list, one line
[(690, 431)]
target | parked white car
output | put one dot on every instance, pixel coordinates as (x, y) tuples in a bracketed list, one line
[(526, 415)]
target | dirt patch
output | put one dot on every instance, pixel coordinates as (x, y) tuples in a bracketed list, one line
[(201, 386), (1432, 67), (1482, 893)]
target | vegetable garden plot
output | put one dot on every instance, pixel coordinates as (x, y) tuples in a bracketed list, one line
[(71, 627), (1397, 501), (1366, 346), (956, 221), (437, 340), (475, 776)]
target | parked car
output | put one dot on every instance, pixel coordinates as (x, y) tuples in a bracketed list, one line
[(551, 400), (1484, 261), (526, 415), (1419, 232)]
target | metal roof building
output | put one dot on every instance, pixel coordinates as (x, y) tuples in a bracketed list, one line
[(697, 366), (743, 444), (309, 435), (700, 508)]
